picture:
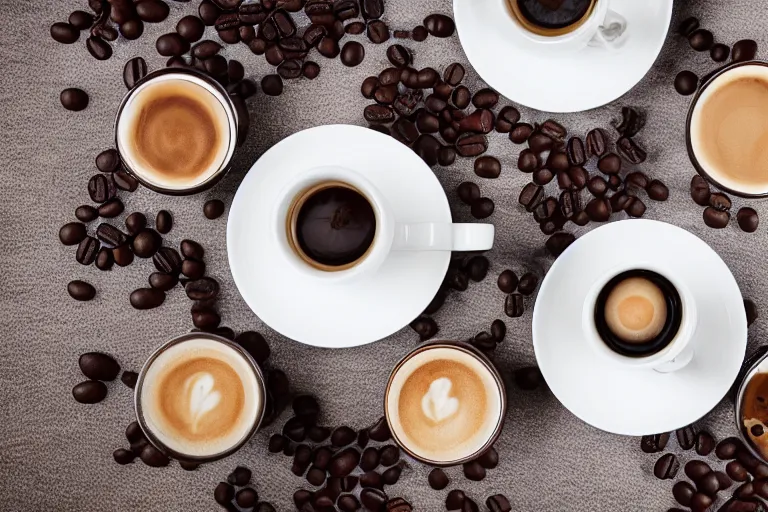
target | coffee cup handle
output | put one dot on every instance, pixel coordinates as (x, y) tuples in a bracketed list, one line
[(611, 34), (443, 237), (678, 363)]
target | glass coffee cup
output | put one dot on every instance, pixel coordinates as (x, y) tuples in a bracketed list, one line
[(176, 131), (200, 397), (445, 403)]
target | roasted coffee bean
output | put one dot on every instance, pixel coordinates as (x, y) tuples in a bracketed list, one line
[(528, 283), (369, 459), (666, 467), (468, 192), (520, 133), (701, 40), (469, 145), (686, 82), (348, 503), (705, 443), (224, 494), (87, 250), (539, 142), (89, 392), (461, 97), (701, 501), (209, 12), (553, 130), (343, 436), (111, 208), (596, 143), (162, 281), (344, 462), (477, 268), (630, 150), (485, 98), (193, 269), (427, 122), (389, 76), (123, 456), (378, 114), (700, 191), (101, 188), (687, 26), (454, 74), (247, 33), (147, 298), (247, 498), (696, 469), (146, 243), (104, 259), (514, 306), (719, 52), (110, 235), (507, 119), (570, 203), (80, 290), (638, 179), (354, 28), (479, 121), (632, 121), (488, 167), (439, 25), (482, 208), (167, 260), (399, 56), (86, 213), (373, 499), (599, 210), (98, 366), (542, 176), (425, 327), (401, 34), (498, 503), (398, 505), (577, 155), (391, 475), (654, 443), (545, 210), (226, 22), (717, 219), (744, 50), (578, 177), (125, 181), (72, 233), (98, 48), (528, 378), (455, 500), (724, 481), (274, 55), (74, 99), (214, 208), (205, 288), (192, 250), (108, 160), (736, 471), (557, 161), (206, 49), (609, 164), (747, 219), (708, 484), (372, 9), (152, 11), (404, 130), (528, 161), (559, 242), (636, 208), (657, 190), (531, 196), (171, 44), (352, 54), (683, 492), (134, 70), (131, 30), (65, 33), (489, 459), (427, 78), (377, 32), (727, 448), (163, 221), (386, 94)]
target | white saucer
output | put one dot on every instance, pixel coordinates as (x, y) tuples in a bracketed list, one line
[(341, 314), (630, 401), (562, 83)]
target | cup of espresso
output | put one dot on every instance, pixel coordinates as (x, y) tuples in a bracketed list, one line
[(727, 129), (445, 403), (565, 25), (176, 131), (200, 397), (334, 224), (641, 317)]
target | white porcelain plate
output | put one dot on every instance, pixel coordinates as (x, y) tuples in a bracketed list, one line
[(630, 401), (343, 314), (552, 82)]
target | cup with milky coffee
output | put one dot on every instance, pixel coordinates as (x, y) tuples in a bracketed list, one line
[(445, 403), (727, 129), (176, 131), (200, 397)]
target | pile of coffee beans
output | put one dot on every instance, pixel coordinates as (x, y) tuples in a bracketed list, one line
[(700, 491), (237, 490), (458, 500), (98, 368), (486, 341), (717, 207), (141, 447), (516, 290), (702, 40), (109, 20)]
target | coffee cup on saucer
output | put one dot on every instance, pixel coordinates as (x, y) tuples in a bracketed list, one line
[(641, 317), (176, 131), (200, 397), (445, 403), (727, 132), (564, 25)]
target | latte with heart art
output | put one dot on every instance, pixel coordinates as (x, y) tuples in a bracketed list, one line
[(444, 403), (200, 397)]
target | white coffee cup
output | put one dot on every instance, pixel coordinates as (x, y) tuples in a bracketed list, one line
[(677, 353), (604, 28), (391, 233)]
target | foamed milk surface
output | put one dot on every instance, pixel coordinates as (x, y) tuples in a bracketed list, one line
[(635, 310), (200, 397), (443, 404), (174, 132), (729, 129)]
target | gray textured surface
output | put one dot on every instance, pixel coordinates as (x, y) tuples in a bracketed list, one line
[(55, 454)]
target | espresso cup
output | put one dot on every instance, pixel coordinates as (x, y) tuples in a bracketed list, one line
[(648, 289), (389, 233), (445, 403), (725, 130), (200, 397), (751, 405), (176, 131), (600, 27)]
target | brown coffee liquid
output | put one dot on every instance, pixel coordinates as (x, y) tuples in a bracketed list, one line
[(177, 134), (635, 310), (443, 404), (333, 225), (755, 411), (551, 17), (732, 132)]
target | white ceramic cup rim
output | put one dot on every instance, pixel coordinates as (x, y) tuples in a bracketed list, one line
[(679, 343)]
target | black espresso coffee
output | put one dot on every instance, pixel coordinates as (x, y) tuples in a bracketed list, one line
[(331, 226), (551, 17), (638, 313)]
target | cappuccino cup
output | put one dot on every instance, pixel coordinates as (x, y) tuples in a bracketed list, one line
[(640, 316), (333, 224), (176, 131), (562, 26), (445, 403), (200, 397), (727, 129)]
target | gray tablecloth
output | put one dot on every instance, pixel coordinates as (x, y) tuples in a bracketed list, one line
[(56, 454)]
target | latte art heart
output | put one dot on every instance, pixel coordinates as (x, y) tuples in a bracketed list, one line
[(202, 397), (437, 403)]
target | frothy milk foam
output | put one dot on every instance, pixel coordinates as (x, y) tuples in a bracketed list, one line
[(200, 397), (443, 404)]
